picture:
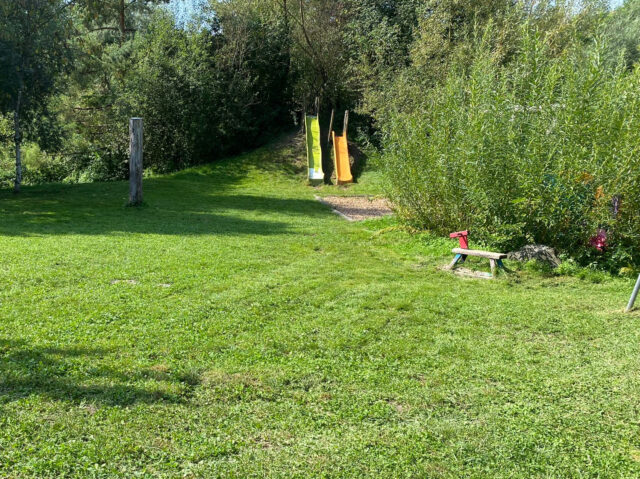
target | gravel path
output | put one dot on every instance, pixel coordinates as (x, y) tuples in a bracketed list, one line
[(357, 208)]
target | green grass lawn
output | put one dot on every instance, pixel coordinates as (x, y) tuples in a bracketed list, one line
[(235, 327)]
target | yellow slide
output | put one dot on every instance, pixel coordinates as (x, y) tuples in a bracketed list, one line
[(341, 156), (314, 149)]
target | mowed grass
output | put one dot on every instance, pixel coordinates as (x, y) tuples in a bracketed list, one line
[(235, 327)]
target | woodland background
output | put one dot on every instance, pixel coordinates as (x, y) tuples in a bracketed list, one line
[(518, 119)]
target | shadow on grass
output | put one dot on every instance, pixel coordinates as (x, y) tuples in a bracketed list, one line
[(359, 161), (196, 202), (59, 374)]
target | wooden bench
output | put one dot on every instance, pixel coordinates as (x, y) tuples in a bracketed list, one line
[(495, 259)]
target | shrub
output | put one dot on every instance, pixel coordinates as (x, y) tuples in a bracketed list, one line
[(207, 94), (543, 149)]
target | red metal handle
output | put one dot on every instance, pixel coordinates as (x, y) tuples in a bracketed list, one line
[(462, 237)]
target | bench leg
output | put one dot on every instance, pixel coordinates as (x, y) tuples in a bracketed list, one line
[(493, 267), (460, 258), (502, 267)]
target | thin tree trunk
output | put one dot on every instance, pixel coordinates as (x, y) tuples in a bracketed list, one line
[(18, 142), (121, 23)]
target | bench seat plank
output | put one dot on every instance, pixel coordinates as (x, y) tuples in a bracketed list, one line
[(479, 253)]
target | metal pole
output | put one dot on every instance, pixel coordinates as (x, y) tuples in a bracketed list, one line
[(633, 296)]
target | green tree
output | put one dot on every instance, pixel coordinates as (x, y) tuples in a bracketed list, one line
[(213, 91), (204, 90), (34, 51), (93, 104)]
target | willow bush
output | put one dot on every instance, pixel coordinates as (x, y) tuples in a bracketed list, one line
[(544, 149)]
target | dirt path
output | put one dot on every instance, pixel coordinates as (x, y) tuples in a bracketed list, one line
[(357, 208)]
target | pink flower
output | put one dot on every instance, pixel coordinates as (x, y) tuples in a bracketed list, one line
[(599, 241)]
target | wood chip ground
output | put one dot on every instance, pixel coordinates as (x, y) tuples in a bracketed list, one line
[(357, 208)]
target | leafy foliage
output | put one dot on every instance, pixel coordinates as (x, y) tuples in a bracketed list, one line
[(209, 94), (623, 30), (33, 52), (543, 149), (202, 93)]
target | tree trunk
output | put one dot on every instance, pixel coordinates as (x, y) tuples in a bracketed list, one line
[(121, 22), (18, 142)]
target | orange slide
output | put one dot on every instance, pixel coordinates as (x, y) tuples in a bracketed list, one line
[(341, 155)]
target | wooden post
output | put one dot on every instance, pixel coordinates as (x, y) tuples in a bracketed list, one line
[(330, 126), (346, 123), (136, 161)]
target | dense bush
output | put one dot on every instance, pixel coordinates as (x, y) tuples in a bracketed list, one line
[(209, 93), (541, 149), (203, 93)]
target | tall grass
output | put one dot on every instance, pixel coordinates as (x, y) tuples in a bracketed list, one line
[(543, 149)]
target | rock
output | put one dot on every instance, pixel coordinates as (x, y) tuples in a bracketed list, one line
[(539, 252)]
